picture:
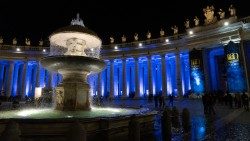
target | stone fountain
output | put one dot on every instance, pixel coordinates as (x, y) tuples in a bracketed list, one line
[(74, 53)]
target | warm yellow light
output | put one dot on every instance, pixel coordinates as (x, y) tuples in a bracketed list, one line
[(140, 44), (18, 49), (38, 92), (191, 32), (226, 23), (167, 40), (116, 47)]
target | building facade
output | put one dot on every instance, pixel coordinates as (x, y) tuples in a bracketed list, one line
[(214, 57)]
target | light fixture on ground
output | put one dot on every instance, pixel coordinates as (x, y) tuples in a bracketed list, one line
[(226, 23), (191, 32)]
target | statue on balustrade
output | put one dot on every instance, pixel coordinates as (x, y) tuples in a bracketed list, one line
[(14, 41), (41, 42), (27, 41), (175, 29), (196, 21), (209, 14), (222, 14), (1, 40), (136, 37), (148, 35), (162, 32), (112, 40), (124, 39), (232, 11), (187, 24)]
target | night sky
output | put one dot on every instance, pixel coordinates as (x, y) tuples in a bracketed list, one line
[(39, 18)]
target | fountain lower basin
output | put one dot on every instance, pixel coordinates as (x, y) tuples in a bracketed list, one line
[(106, 124)]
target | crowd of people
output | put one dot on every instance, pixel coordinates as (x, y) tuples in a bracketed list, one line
[(236, 100)]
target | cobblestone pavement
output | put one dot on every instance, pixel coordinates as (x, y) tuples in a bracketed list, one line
[(226, 125)]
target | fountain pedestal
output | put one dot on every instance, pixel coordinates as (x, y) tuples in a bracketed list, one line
[(73, 93)]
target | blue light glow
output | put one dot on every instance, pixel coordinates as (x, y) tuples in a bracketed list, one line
[(235, 74)]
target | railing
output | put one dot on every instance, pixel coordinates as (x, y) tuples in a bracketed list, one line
[(161, 40), (24, 48)]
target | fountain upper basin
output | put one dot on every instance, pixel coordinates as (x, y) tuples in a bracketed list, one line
[(72, 63)]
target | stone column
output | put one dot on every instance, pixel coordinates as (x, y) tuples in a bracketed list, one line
[(111, 94), (10, 78), (244, 65), (50, 79), (206, 69), (1, 76), (178, 74), (99, 84), (150, 84), (38, 72), (124, 78), (137, 80), (163, 71), (24, 72)]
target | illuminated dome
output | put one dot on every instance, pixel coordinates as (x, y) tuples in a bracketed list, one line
[(76, 40)]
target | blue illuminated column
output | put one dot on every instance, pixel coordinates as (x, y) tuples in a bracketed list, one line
[(24, 77), (196, 72), (111, 94), (38, 74), (178, 74), (137, 82), (10, 78), (163, 71), (124, 78), (99, 84), (236, 81), (150, 84), (1, 76), (16, 75)]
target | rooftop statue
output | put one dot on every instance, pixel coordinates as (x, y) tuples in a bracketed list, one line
[(187, 23), (222, 14), (1, 40), (14, 41), (27, 41), (175, 29), (162, 32), (209, 14), (41, 42), (136, 37), (232, 11), (196, 21), (148, 35), (112, 40), (124, 39)]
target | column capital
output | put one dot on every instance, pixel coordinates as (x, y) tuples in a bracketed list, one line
[(123, 58), (136, 58), (111, 60), (163, 55), (149, 57)]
